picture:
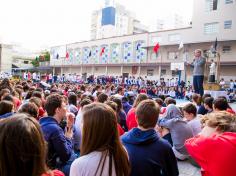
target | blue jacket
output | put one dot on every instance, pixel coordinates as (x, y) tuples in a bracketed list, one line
[(59, 147), (9, 114), (149, 155), (126, 107)]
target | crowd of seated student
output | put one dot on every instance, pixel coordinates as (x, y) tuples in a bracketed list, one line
[(97, 130)]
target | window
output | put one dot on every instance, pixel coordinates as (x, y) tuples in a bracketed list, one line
[(229, 1), (173, 55), (150, 72), (163, 72), (228, 24), (174, 37), (211, 28), (26, 62), (226, 49), (211, 5), (174, 73)]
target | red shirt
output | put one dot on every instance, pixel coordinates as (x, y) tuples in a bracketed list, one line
[(215, 154), (54, 173), (230, 111), (120, 130), (131, 119)]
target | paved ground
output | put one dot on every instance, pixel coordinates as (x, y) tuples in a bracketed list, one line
[(187, 169)]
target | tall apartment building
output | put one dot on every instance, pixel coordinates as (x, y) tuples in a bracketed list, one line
[(114, 20)]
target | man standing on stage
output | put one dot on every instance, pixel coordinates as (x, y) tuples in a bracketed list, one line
[(198, 65)]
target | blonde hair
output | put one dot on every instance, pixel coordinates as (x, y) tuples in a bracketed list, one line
[(222, 120)]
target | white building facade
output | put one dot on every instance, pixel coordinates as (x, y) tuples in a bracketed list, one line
[(133, 54)]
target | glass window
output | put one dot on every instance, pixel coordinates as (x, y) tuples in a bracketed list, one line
[(211, 28), (229, 1), (173, 55), (226, 49), (150, 72), (228, 24), (211, 5)]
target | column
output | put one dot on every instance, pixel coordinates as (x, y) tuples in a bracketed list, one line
[(53, 71), (159, 72), (93, 70), (61, 71), (121, 70), (81, 70), (139, 71), (106, 71)]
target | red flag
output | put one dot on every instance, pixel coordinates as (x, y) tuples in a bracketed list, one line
[(102, 51), (67, 55), (156, 48)]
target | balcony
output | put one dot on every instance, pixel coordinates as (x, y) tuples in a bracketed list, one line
[(44, 64)]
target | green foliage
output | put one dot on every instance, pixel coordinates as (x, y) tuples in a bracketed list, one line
[(35, 62), (43, 57)]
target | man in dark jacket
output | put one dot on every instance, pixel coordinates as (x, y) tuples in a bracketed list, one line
[(60, 149), (148, 153)]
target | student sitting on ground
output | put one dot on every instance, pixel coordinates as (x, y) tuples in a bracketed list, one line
[(22, 148), (101, 149), (148, 153), (190, 114), (215, 148), (178, 128)]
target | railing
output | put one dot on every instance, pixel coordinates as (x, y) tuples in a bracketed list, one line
[(43, 64)]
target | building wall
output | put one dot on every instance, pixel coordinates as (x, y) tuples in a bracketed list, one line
[(6, 58), (114, 71), (224, 12)]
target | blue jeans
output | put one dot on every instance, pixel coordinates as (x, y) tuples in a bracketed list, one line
[(65, 168), (198, 84)]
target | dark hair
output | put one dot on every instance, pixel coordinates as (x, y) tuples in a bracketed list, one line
[(28, 95), (52, 103), (26, 88), (190, 109), (205, 96), (5, 84), (139, 99), (147, 113), (37, 94), (100, 134), (196, 98), (220, 104), (72, 99), (9, 98), (91, 98), (102, 97), (209, 101), (22, 147), (119, 104), (119, 89), (3, 92), (84, 102), (37, 101), (159, 101), (6, 107), (170, 100), (29, 108), (39, 89)]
